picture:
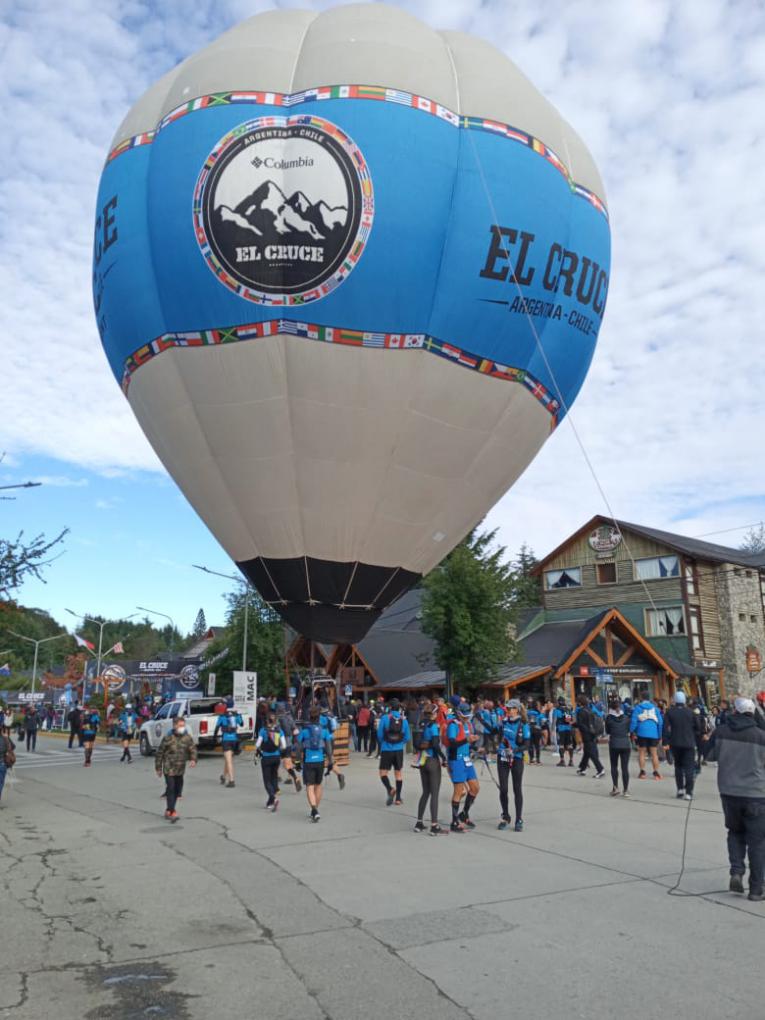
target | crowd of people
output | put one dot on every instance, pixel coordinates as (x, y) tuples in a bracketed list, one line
[(456, 735)]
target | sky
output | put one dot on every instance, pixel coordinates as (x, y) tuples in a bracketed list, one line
[(667, 430)]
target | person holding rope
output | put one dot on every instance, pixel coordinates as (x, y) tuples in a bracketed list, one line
[(514, 739), (431, 760)]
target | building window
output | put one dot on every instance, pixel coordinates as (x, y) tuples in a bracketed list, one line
[(665, 622), (694, 624), (737, 571), (753, 618), (656, 567), (571, 577), (690, 579), (606, 573), (749, 573), (742, 617)]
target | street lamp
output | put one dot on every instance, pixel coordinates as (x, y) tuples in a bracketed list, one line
[(37, 643), (100, 624), (155, 612), (241, 580)]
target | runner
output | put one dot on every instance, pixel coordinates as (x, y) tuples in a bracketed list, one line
[(7, 755), (564, 719), (316, 745), (514, 739), (127, 732), (431, 759), (681, 728), (619, 747), (287, 723), (460, 735), (590, 726), (175, 749), (269, 747), (74, 718), (329, 722), (392, 735), (646, 725), (229, 737), (535, 718), (90, 723)]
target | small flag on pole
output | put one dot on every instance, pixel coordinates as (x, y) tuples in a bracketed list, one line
[(82, 643), (118, 648)]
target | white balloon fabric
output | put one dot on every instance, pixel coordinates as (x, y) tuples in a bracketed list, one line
[(349, 272)]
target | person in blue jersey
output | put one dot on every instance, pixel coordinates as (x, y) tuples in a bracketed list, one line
[(392, 735), (91, 720), (485, 719), (513, 741), (564, 728), (127, 731), (228, 724), (329, 722), (431, 759), (316, 746), (460, 737), (269, 747), (646, 726), (535, 718)]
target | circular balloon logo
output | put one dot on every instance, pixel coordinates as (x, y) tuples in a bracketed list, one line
[(189, 677), (283, 208)]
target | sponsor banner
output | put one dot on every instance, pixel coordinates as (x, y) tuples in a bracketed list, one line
[(245, 688)]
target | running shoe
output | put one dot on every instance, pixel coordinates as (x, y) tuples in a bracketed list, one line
[(316, 817), (466, 821), (436, 830), (756, 895), (571, 764), (615, 792), (641, 774), (222, 780), (275, 805), (736, 883), (419, 826), (457, 827), (298, 786), (680, 794), (519, 825), (581, 772), (390, 798), (398, 802), (599, 775), (688, 796), (627, 795), (231, 785), (503, 825), (341, 780), (561, 765), (657, 776)]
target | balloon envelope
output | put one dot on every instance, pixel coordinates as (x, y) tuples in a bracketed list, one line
[(349, 272)]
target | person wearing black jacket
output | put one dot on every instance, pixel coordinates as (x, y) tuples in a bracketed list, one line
[(682, 729), (738, 747), (6, 746), (586, 726), (619, 746), (74, 718)]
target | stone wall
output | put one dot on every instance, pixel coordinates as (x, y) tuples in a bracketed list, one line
[(739, 595)]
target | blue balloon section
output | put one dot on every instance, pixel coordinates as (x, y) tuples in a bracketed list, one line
[(479, 245)]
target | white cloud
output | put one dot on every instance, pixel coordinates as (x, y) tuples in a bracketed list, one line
[(669, 97), (110, 503), (61, 481)]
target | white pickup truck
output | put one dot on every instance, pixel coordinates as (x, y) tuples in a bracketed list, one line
[(200, 723)]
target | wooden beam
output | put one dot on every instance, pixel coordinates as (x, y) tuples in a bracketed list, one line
[(594, 656), (609, 646), (627, 654)]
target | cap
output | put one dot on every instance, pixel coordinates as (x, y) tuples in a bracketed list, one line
[(514, 703), (455, 701), (464, 709), (744, 706), (679, 697)]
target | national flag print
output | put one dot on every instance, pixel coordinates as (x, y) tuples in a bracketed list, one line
[(396, 96), (426, 105), (82, 643), (118, 649)]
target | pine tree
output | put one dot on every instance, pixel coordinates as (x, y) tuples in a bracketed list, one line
[(200, 625), (527, 591), (468, 610), (754, 539)]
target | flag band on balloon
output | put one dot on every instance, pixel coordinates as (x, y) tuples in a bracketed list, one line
[(346, 338), (373, 92)]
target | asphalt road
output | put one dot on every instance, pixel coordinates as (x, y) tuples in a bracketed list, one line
[(108, 911)]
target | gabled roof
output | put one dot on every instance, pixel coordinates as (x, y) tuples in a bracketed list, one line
[(395, 647), (691, 547)]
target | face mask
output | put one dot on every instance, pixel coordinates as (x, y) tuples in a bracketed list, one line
[(180, 730)]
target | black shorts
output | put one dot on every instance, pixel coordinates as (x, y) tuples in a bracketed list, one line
[(313, 773), (391, 760), (565, 739), (648, 741)]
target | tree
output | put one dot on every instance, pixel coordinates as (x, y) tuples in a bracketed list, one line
[(754, 539), (21, 560), (468, 610), (200, 625), (526, 591), (265, 643)]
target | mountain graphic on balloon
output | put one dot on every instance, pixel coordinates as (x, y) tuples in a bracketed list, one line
[(266, 214)]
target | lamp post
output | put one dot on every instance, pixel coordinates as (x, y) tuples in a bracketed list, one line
[(37, 643), (241, 580), (155, 612)]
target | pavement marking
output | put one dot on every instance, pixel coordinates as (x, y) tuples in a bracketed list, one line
[(50, 758)]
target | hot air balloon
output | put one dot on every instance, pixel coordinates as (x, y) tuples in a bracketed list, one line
[(349, 272)]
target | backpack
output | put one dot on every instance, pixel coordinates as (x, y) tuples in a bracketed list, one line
[(315, 737), (362, 718), (394, 733), (597, 726), (9, 755), (271, 741)]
